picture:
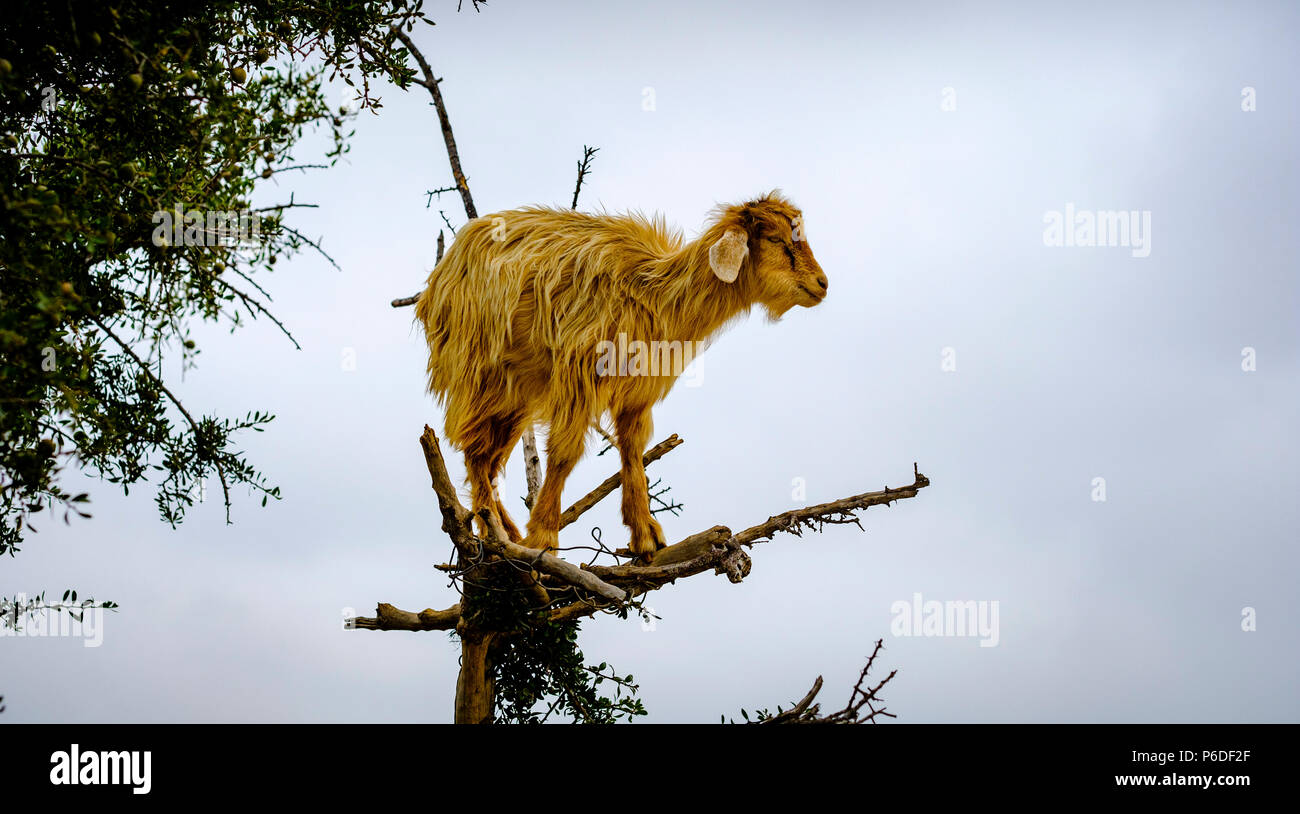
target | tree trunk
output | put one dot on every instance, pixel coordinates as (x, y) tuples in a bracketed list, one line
[(474, 685)]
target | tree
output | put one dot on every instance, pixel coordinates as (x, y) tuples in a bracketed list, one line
[(132, 137), (520, 609)]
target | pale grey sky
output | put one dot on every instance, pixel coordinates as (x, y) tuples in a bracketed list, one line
[(1071, 364)]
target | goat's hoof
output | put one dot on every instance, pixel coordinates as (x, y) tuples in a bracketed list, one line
[(645, 542), (657, 534)]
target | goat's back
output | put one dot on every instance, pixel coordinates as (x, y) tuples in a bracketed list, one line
[(527, 289)]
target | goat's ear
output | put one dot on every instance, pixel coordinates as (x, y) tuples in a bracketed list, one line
[(728, 254)]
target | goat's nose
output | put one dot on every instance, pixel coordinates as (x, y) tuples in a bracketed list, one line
[(822, 282)]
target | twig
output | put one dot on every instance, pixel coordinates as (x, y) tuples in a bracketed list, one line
[(429, 200), (584, 167)]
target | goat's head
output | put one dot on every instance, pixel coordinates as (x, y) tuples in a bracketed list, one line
[(766, 240)]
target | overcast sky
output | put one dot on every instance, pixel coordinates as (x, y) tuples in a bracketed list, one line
[(1071, 364)]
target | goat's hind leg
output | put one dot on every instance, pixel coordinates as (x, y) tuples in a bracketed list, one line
[(489, 440), (505, 435), (478, 470)]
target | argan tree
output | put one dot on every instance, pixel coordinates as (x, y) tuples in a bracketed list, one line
[(113, 113)]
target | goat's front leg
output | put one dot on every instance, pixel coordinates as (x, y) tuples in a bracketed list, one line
[(633, 427), (564, 446)]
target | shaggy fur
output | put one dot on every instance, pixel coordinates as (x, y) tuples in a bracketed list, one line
[(515, 311)]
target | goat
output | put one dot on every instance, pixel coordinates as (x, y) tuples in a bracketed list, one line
[(515, 312)]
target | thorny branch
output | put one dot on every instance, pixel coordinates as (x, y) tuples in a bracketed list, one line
[(807, 712)]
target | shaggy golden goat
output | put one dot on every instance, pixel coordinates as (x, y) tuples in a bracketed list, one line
[(516, 312)]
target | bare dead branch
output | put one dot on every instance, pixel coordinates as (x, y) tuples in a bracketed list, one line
[(799, 708), (584, 167), (805, 712), (388, 617), (833, 513), (532, 467), (455, 517), (448, 137)]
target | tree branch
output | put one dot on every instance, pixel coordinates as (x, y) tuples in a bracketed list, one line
[(455, 517), (448, 137), (388, 617), (725, 554), (835, 512)]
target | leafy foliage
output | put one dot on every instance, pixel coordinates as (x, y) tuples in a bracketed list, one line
[(538, 669), (545, 665), (110, 114)]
